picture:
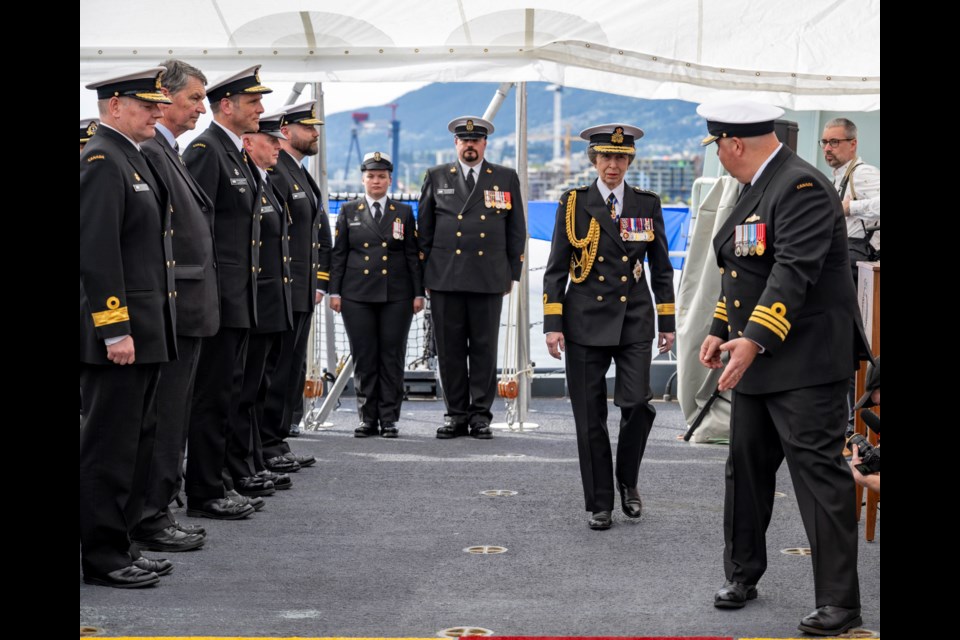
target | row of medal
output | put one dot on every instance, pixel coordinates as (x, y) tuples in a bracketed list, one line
[(497, 199), (750, 239), (636, 229)]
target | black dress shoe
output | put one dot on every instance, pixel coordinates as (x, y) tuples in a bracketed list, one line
[(254, 486), (600, 520), (365, 430), (480, 431), (630, 501), (279, 480), (131, 577), (169, 539), (389, 430), (303, 461), (190, 529), (451, 428), (218, 509), (734, 595), (281, 464), (829, 620), (158, 566), (255, 502)]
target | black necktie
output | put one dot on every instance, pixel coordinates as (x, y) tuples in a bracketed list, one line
[(377, 212), (612, 205), (470, 180), (743, 191)]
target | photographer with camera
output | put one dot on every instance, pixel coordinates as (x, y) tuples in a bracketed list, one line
[(865, 461)]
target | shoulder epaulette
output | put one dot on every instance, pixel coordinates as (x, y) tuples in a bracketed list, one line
[(649, 193), (99, 156), (582, 187)]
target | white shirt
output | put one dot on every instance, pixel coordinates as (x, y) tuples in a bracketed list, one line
[(617, 192), (236, 139), (865, 183), (167, 134), (466, 170), (756, 176), (383, 206), (127, 138)]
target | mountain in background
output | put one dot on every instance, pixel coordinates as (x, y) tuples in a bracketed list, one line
[(671, 126)]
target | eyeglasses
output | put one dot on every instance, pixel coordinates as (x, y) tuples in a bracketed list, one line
[(834, 142)]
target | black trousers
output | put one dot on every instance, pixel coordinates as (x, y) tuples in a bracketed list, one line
[(467, 329), (586, 369), (282, 387), (378, 341), (215, 392), (116, 446), (243, 440), (174, 401), (806, 427)]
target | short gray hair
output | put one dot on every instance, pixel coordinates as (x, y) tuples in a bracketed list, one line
[(178, 74), (849, 129)]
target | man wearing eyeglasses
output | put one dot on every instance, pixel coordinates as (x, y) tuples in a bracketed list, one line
[(857, 183)]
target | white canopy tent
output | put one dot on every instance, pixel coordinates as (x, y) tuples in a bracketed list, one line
[(815, 55)]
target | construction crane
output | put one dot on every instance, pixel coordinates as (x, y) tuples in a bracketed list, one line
[(359, 117)]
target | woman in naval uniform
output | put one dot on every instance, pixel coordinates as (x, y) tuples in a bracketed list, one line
[(375, 281)]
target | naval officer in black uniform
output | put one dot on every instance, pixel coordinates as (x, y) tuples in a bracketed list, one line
[(198, 307), (787, 317), (375, 282), (217, 161), (597, 307), (472, 234), (127, 320), (274, 314), (310, 243)]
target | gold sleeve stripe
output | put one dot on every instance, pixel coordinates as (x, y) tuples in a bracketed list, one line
[(553, 309), (773, 312), (769, 325), (769, 317), (323, 275), (721, 304), (110, 316), (720, 315), (666, 309)]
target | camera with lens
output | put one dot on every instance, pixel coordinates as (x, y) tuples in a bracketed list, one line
[(869, 455)]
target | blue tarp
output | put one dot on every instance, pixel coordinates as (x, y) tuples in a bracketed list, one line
[(542, 214)]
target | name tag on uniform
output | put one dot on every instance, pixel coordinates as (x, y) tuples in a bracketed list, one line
[(355, 223), (267, 209), (139, 186), (298, 195), (445, 192), (236, 182)]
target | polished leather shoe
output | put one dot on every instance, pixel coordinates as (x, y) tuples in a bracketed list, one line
[(480, 431), (159, 566), (255, 502), (389, 430), (829, 620), (279, 480), (600, 520), (190, 529), (254, 486), (218, 509), (452, 428), (365, 430), (281, 464), (131, 577), (168, 539), (303, 461), (294, 431), (734, 595), (630, 501)]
